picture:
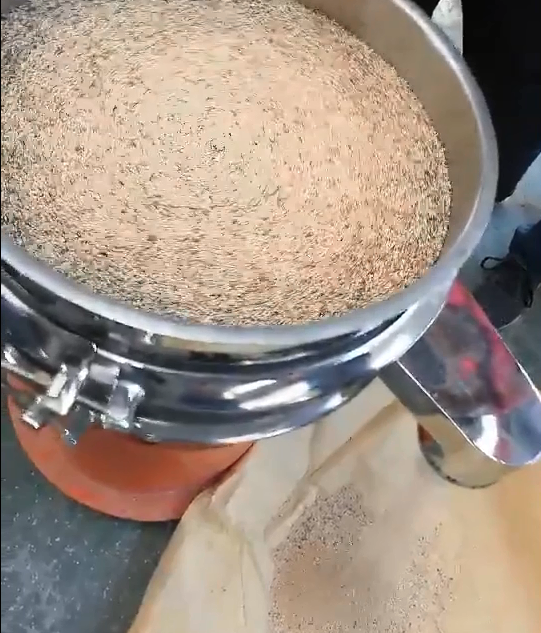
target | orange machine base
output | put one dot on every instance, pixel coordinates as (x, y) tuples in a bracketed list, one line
[(122, 476)]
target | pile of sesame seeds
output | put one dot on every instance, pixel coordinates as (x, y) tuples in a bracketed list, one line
[(230, 162)]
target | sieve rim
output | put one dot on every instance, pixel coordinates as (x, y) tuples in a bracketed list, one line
[(437, 280)]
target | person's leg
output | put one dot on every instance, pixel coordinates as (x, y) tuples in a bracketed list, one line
[(502, 47)]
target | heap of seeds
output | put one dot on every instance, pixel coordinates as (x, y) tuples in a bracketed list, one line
[(225, 161), (348, 566)]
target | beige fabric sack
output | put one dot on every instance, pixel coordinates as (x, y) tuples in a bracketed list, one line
[(375, 541)]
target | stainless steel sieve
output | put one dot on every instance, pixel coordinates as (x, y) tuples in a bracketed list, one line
[(95, 360)]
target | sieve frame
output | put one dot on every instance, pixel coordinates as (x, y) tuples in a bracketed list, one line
[(77, 308)]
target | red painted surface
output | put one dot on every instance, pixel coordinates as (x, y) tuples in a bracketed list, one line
[(122, 476)]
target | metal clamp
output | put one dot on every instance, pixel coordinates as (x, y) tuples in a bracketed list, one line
[(120, 412), (13, 362), (89, 391), (61, 393), (59, 397)]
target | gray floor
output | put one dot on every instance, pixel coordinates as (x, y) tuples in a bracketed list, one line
[(66, 569)]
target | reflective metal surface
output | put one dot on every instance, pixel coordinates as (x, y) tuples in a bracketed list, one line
[(103, 362), (479, 411), (404, 36), (194, 396)]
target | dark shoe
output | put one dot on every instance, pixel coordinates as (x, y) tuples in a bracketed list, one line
[(507, 290)]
